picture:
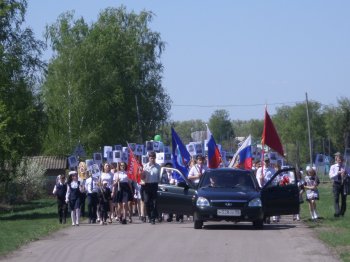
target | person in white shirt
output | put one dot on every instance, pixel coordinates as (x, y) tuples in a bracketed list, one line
[(91, 188), (264, 174), (197, 170), (124, 195), (338, 173), (151, 176)]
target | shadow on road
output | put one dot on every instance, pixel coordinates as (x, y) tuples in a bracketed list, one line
[(247, 227)]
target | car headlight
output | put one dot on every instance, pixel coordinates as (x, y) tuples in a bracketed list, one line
[(202, 202), (256, 202)]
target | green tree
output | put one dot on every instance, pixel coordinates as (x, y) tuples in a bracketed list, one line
[(220, 126), (252, 127), (21, 113), (337, 121), (104, 84), (185, 128), (291, 125)]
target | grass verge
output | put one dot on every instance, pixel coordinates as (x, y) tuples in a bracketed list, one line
[(335, 232), (24, 223)]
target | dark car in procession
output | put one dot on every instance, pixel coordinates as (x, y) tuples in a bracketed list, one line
[(229, 194)]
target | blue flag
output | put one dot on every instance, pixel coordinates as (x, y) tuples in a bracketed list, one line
[(181, 157)]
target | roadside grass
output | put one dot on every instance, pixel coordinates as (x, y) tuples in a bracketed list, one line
[(24, 223), (335, 232)]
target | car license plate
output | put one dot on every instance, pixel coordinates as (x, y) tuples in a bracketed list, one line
[(229, 212)]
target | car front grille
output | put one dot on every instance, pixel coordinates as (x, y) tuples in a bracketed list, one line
[(228, 203)]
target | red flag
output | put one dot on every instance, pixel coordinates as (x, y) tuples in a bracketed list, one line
[(134, 167), (270, 136)]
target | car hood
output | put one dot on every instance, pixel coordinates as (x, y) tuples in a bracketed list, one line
[(227, 194)]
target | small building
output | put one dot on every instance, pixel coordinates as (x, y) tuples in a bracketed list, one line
[(54, 166)]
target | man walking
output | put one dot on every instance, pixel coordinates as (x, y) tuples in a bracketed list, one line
[(338, 173), (91, 187), (151, 176)]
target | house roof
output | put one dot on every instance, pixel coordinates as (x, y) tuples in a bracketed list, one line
[(51, 162)]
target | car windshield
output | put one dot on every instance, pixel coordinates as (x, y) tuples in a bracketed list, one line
[(227, 179)]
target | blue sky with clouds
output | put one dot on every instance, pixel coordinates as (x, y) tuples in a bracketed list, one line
[(236, 55)]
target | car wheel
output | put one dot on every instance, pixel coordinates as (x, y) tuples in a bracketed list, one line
[(198, 224), (258, 224)]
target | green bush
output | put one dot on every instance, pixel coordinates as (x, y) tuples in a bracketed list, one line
[(29, 182)]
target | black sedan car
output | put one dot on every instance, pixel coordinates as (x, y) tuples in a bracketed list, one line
[(228, 194)]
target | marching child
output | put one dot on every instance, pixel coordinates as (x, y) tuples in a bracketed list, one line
[(73, 197), (311, 183), (104, 197), (60, 191)]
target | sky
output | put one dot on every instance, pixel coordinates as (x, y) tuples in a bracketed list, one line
[(235, 55)]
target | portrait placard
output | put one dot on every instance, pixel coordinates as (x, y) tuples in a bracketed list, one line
[(206, 145), (118, 147), (89, 162), (110, 157), (95, 171), (191, 149), (273, 157), (106, 149), (72, 161), (117, 156), (149, 146), (319, 160), (256, 153), (160, 158), (97, 158), (167, 158), (158, 146), (167, 149), (125, 157), (198, 147), (139, 150)]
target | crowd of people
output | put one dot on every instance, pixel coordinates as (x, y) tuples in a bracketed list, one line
[(114, 196)]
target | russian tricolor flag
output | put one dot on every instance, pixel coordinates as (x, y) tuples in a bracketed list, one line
[(214, 156), (245, 154)]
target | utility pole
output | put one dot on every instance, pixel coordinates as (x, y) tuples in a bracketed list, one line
[(138, 118), (308, 128)]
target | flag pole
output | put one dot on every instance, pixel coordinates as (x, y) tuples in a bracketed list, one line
[(263, 146), (308, 128)]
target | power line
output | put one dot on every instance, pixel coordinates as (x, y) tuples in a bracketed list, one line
[(242, 105)]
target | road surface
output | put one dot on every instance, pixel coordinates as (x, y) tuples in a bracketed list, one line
[(139, 242)]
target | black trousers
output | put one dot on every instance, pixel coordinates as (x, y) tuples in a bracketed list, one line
[(92, 206), (150, 198), (104, 209), (338, 190), (82, 204), (62, 210)]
